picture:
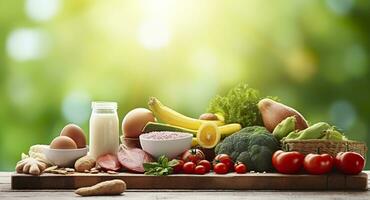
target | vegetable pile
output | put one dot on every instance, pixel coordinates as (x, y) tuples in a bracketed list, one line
[(252, 146), (241, 132)]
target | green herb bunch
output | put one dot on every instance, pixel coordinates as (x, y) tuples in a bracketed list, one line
[(238, 106), (162, 167)]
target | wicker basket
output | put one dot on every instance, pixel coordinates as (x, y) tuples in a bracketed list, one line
[(324, 146)]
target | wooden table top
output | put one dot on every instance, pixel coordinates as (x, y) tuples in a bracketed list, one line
[(7, 193)]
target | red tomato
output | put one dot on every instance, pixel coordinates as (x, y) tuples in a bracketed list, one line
[(287, 162), (200, 169), (349, 162), (220, 168), (240, 168), (206, 164), (178, 168), (318, 163), (193, 155), (224, 158), (189, 167)]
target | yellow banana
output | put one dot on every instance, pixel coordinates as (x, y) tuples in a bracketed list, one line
[(229, 129), (172, 117)]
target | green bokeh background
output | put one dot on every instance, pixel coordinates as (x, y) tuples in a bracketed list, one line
[(313, 54)]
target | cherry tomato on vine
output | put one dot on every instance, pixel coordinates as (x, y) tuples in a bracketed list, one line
[(224, 158), (200, 169), (220, 168), (178, 168), (189, 167), (240, 168), (193, 155), (206, 164)]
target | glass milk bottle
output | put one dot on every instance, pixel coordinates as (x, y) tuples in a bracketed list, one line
[(104, 129)]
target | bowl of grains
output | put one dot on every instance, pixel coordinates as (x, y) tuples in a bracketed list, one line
[(170, 144)]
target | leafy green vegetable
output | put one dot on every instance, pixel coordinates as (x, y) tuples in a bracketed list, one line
[(162, 167), (252, 146), (238, 106)]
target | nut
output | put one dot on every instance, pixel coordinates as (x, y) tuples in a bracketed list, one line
[(84, 163), (208, 116), (70, 169)]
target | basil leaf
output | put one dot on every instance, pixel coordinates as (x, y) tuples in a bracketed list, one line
[(173, 163)]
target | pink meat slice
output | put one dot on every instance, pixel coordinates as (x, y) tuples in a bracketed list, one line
[(133, 159), (109, 162)]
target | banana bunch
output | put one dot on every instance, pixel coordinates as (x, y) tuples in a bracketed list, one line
[(207, 133), (170, 116)]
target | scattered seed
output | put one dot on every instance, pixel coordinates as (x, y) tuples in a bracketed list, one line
[(70, 169), (87, 171), (49, 169), (98, 167), (59, 171), (111, 172)]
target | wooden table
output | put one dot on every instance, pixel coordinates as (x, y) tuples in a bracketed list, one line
[(7, 193)]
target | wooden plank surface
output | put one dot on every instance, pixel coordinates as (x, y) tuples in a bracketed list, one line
[(6, 193), (249, 181)]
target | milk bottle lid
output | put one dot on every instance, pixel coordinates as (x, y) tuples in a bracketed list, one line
[(103, 105)]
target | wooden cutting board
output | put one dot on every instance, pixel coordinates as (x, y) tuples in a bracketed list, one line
[(249, 181)]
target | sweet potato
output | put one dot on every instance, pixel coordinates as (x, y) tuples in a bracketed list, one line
[(112, 187)]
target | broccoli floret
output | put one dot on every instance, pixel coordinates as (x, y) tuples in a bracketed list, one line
[(252, 146)]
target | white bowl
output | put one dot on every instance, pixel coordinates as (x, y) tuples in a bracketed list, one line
[(168, 147), (64, 157)]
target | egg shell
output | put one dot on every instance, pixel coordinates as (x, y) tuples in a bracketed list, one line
[(63, 142), (135, 120), (75, 133)]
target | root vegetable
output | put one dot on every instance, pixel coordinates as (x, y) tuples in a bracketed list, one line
[(30, 166), (84, 163), (273, 113), (112, 187)]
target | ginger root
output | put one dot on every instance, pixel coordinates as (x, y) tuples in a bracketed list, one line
[(30, 166), (112, 187), (84, 163)]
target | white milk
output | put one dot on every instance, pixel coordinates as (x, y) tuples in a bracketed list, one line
[(104, 129)]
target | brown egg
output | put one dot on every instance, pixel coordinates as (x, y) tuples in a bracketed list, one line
[(63, 142), (135, 120), (75, 133)]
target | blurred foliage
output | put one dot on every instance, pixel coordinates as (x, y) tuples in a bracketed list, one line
[(57, 56)]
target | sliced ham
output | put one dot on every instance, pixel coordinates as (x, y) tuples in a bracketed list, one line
[(133, 159), (109, 162)]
